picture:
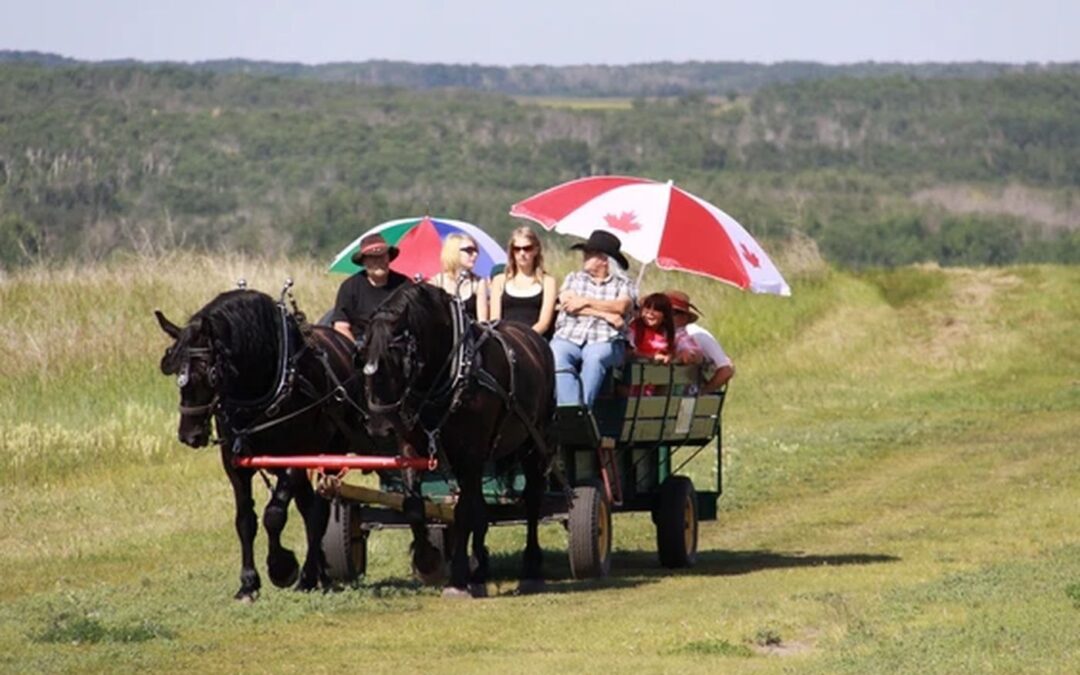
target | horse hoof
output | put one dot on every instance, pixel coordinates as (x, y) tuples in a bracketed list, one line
[(531, 586), (304, 586), (477, 590), (429, 568), (451, 592), (246, 598), (284, 569)]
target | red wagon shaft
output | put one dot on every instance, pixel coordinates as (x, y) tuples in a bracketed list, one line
[(334, 462)]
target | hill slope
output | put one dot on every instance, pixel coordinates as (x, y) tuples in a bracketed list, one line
[(901, 492), (886, 171)]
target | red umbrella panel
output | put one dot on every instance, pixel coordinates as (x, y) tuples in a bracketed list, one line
[(658, 223), (420, 241)]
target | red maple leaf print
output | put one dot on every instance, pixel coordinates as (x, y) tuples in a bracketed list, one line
[(624, 222), (749, 255)]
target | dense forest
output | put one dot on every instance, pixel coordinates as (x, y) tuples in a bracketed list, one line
[(982, 169)]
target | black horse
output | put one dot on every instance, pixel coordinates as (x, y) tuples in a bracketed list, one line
[(470, 394), (274, 385)]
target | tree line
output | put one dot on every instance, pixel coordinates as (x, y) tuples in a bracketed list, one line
[(99, 159), (718, 78)]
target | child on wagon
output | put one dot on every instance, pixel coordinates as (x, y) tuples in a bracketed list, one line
[(655, 337)]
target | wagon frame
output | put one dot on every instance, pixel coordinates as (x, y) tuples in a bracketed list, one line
[(624, 455)]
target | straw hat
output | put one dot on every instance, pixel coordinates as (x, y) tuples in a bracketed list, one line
[(680, 302), (373, 244)]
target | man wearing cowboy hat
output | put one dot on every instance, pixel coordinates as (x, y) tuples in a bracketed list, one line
[(590, 330), (686, 316), (363, 292)]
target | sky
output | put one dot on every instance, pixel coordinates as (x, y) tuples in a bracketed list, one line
[(552, 32)]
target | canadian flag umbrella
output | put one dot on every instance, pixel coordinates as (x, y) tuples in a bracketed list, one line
[(658, 223)]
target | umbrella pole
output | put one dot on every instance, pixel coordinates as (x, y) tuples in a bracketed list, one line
[(641, 274)]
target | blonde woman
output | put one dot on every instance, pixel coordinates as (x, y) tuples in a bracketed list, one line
[(525, 292), (459, 255)]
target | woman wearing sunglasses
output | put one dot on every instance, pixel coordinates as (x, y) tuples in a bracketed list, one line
[(525, 292), (459, 254)]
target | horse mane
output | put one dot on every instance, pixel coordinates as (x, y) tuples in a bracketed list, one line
[(418, 305), (243, 328)]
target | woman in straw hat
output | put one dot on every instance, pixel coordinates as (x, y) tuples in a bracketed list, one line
[(686, 316)]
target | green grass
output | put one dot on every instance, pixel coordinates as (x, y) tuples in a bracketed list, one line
[(901, 493)]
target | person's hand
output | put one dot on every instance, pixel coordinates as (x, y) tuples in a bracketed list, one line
[(573, 303), (663, 358)]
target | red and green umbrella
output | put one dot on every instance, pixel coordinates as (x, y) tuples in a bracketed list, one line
[(420, 242)]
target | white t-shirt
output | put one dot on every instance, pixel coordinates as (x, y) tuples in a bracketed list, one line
[(714, 353)]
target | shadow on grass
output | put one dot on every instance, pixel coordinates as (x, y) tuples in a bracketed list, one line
[(731, 563), (636, 568), (630, 569)]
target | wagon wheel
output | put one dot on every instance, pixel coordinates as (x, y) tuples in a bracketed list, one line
[(442, 538), (345, 543), (590, 533), (677, 523)]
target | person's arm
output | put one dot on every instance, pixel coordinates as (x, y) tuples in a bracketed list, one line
[(497, 286), (481, 290), (547, 306), (341, 319), (614, 319), (574, 304), (345, 329), (719, 379)]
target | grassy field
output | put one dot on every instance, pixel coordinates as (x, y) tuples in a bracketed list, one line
[(901, 494)]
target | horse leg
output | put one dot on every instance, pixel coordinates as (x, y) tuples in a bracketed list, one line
[(316, 513), (462, 579), (246, 525), (280, 561), (458, 584), (427, 560), (532, 577), (479, 566)]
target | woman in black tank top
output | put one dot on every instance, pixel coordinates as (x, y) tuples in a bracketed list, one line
[(525, 292), (459, 256)]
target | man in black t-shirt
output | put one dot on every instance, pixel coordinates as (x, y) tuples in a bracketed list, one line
[(364, 291)]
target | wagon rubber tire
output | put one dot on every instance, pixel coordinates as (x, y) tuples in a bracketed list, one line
[(589, 526), (344, 544), (677, 523)]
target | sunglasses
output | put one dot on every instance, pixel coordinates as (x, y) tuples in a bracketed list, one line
[(469, 250), (518, 249)]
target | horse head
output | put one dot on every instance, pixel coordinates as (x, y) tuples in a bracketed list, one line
[(233, 334), (407, 343), (191, 359)]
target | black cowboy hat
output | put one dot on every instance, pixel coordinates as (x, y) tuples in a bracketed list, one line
[(373, 244), (604, 242)]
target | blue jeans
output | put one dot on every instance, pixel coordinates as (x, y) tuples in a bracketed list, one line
[(591, 360)]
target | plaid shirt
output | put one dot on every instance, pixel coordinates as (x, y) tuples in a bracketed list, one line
[(582, 330)]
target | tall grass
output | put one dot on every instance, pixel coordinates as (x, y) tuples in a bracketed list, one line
[(901, 491)]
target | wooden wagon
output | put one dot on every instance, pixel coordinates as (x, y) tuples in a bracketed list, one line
[(626, 454)]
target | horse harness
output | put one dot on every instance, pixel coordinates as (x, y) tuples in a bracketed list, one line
[(287, 380), (463, 367)]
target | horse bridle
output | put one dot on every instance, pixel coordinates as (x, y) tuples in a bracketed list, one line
[(411, 374), (457, 361), (204, 354)]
